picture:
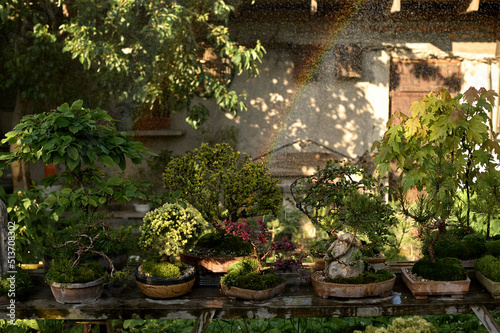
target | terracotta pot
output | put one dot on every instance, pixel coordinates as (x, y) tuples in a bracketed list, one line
[(253, 295), (157, 123), (209, 264), (78, 293), (421, 289), (329, 289), (492, 286), (159, 288)]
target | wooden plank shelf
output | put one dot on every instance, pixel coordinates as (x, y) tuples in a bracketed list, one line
[(297, 301)]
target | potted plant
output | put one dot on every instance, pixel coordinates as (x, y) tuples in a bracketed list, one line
[(120, 281), (250, 278), (488, 274), (350, 207), (222, 184), (441, 149), (83, 143), (78, 278), (166, 231)]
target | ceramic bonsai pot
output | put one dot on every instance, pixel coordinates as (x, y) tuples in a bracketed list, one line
[(328, 289), (421, 288), (159, 288), (209, 264), (492, 286), (77, 293), (253, 295)]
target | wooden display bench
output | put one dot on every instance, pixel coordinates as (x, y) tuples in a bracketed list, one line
[(297, 301)]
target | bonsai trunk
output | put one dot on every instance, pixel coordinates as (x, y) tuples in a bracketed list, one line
[(441, 229)]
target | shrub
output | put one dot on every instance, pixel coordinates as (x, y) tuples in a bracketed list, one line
[(62, 271), (489, 266), (169, 228), (404, 325), (443, 269), (493, 248), (219, 244)]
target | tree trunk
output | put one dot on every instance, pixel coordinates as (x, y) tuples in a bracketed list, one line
[(21, 176)]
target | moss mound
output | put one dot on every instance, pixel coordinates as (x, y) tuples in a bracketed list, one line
[(242, 274), (444, 269), (489, 266), (365, 277), (162, 269), (451, 245)]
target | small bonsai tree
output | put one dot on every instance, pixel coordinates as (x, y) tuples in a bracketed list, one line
[(168, 229), (252, 273), (223, 184), (347, 204), (442, 148)]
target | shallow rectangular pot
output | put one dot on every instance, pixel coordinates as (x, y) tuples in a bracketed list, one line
[(425, 288), (492, 286)]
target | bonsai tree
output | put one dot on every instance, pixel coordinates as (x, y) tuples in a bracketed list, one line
[(165, 232), (350, 207), (252, 273), (443, 148), (223, 184), (82, 143), (341, 198), (168, 229)]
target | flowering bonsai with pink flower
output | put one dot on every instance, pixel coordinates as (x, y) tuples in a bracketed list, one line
[(252, 273)]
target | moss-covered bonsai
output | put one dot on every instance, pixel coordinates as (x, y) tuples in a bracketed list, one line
[(349, 205), (165, 232), (223, 184), (253, 273), (489, 266), (442, 149)]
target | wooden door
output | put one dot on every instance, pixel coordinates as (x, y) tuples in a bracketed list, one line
[(410, 80)]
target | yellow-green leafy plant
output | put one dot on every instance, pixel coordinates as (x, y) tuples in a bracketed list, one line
[(169, 228), (442, 148)]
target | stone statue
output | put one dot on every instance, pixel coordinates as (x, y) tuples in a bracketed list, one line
[(343, 258)]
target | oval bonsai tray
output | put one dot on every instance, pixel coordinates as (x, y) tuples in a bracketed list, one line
[(329, 289), (421, 289), (77, 293), (158, 288), (253, 295)]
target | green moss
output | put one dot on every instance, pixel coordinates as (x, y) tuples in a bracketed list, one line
[(242, 274), (489, 266), (62, 271), (365, 277), (444, 269), (20, 289), (162, 269)]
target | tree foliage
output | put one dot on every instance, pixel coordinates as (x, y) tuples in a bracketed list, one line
[(442, 148), (148, 53)]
